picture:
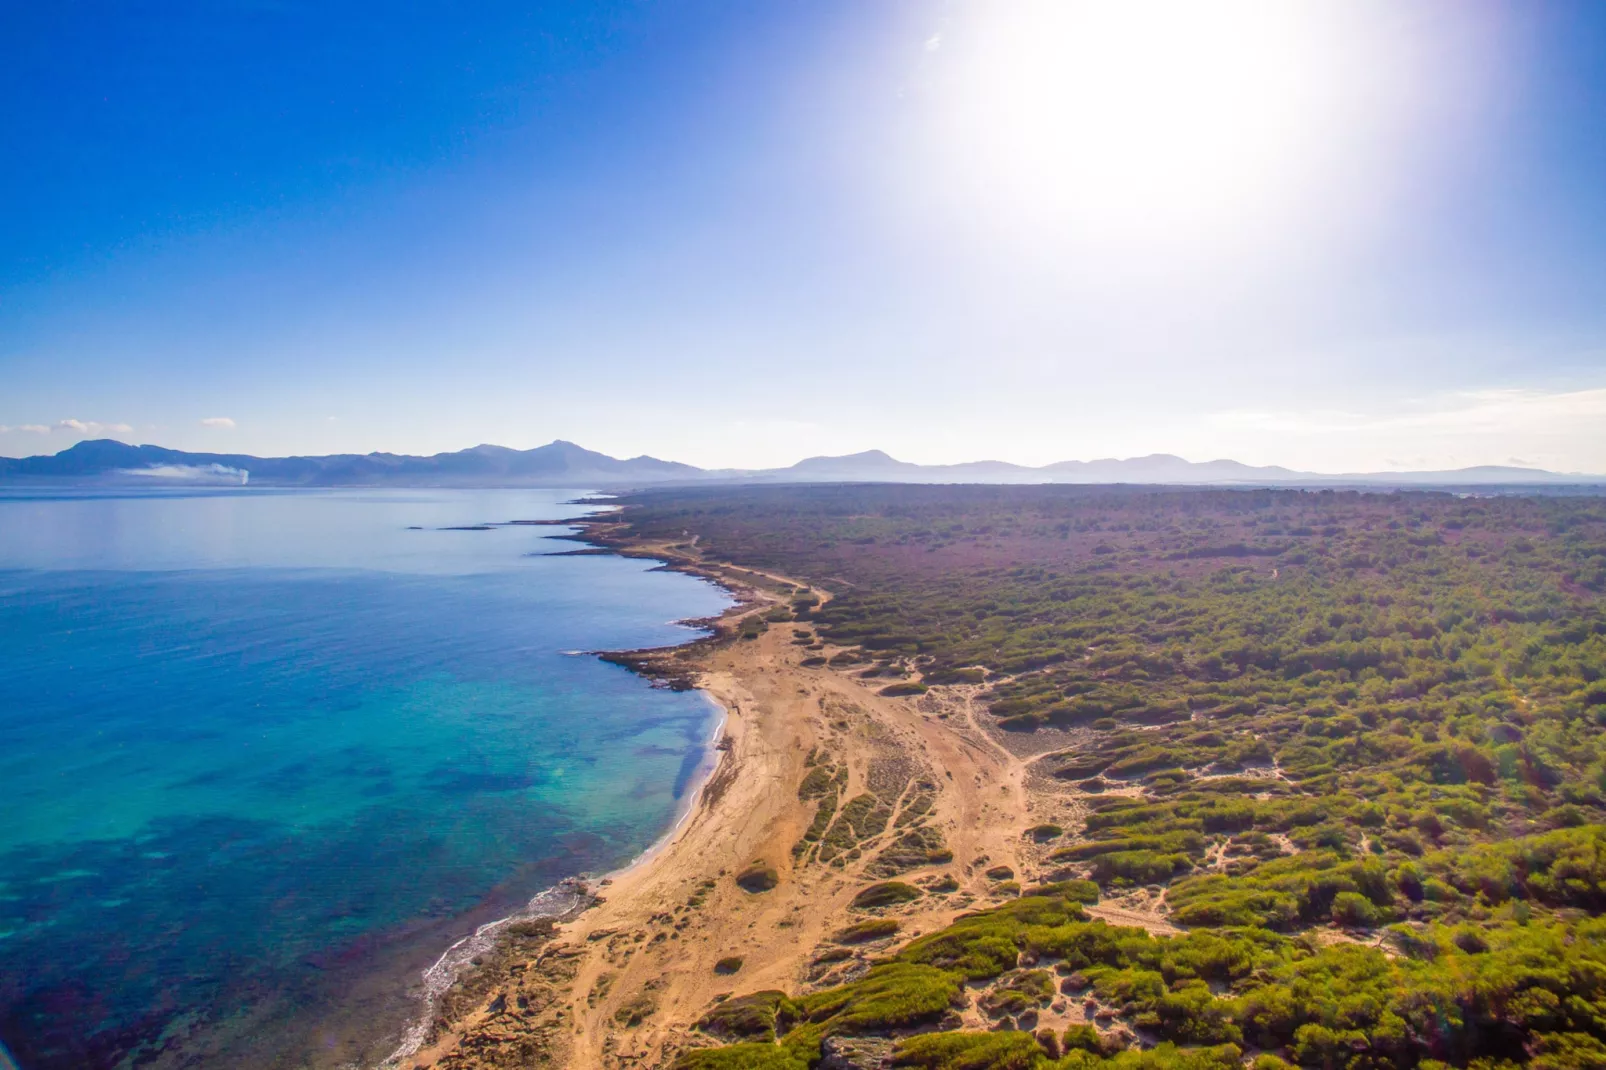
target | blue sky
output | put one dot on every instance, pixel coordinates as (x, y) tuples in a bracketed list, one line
[(1333, 234)]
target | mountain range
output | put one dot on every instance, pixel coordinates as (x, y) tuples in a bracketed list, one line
[(564, 464)]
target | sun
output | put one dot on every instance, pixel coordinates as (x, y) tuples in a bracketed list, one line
[(1147, 119)]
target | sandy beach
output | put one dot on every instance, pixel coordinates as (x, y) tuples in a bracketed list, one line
[(622, 984)]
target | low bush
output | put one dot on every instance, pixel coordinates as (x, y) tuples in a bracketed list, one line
[(888, 893), (860, 932), (758, 878)]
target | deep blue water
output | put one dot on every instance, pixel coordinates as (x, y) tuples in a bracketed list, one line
[(264, 755)]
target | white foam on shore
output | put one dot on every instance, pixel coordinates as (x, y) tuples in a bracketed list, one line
[(562, 898), (568, 896)]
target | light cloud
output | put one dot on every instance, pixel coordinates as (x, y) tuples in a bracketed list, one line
[(217, 421), (1554, 429), (32, 429), (91, 427), (1491, 411), (192, 473)]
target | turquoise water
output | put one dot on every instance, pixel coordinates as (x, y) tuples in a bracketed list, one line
[(265, 755)]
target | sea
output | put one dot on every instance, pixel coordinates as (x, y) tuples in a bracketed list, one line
[(266, 754)]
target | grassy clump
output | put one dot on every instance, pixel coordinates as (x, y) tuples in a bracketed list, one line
[(1283, 894), (860, 932), (964, 1051), (885, 894), (745, 1017), (890, 997), (898, 995), (908, 687), (985, 944), (759, 877), (1074, 890), (742, 1057), (1087, 1038), (1019, 992)]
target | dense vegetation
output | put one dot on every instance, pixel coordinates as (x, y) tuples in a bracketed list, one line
[(1377, 713), (1521, 991)]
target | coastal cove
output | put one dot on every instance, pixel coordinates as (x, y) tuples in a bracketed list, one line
[(269, 754)]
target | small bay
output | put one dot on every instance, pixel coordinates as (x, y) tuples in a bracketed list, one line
[(266, 754)]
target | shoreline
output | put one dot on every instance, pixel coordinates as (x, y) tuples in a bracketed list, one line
[(568, 896), (573, 895), (706, 771), (561, 902), (662, 667)]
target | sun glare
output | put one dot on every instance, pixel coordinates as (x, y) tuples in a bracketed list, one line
[(1143, 119)]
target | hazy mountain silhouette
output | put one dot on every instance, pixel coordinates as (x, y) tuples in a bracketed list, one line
[(555, 464), (564, 464)]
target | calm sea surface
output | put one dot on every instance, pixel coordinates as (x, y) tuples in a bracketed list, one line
[(264, 755)]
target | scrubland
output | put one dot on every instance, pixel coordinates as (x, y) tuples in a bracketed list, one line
[(1154, 778)]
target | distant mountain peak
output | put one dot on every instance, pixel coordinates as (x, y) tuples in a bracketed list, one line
[(865, 460)]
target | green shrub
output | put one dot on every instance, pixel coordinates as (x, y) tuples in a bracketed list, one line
[(860, 932), (888, 893), (1019, 992), (746, 1017), (758, 878), (742, 1057), (1083, 1038), (908, 687), (1354, 910), (1139, 867), (893, 996), (970, 1051)]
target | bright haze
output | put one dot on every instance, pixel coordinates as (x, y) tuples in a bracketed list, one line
[(1336, 235)]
